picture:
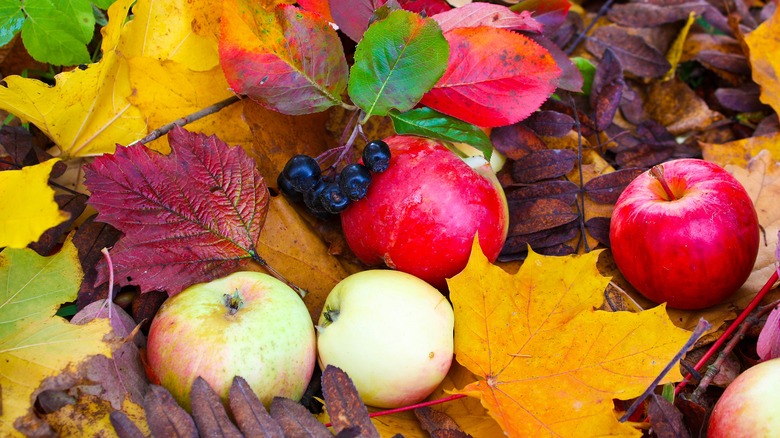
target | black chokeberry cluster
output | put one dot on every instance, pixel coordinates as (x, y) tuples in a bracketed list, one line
[(302, 180)]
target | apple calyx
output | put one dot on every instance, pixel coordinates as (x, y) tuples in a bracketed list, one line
[(233, 302), (657, 172), (331, 315)]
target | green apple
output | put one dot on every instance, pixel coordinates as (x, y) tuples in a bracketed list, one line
[(247, 324), (391, 332)]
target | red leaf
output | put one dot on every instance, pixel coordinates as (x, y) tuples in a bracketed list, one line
[(288, 60), (551, 13), (319, 7), (494, 77), (485, 14), (188, 217), (353, 16), (428, 7)]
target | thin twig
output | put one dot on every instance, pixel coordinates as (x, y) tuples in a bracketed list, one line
[(701, 327), (581, 204), (271, 270), (582, 35), (211, 109)]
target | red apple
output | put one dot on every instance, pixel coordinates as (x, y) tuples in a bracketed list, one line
[(747, 408), (421, 214), (247, 324), (685, 233)]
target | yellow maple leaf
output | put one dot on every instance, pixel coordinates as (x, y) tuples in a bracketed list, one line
[(739, 152), (763, 43), (27, 205), (551, 364), (178, 30), (87, 112), (34, 343)]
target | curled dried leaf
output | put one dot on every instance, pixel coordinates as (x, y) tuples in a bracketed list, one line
[(345, 407), (295, 420), (209, 412), (165, 416), (541, 165), (249, 412), (542, 214)]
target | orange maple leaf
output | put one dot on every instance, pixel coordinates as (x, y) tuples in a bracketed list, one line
[(551, 364)]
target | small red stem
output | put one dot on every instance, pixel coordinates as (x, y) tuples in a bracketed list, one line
[(729, 331), (657, 172)]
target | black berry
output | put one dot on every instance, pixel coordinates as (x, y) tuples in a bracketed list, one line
[(302, 172), (376, 156), (287, 189), (333, 199), (354, 180), (312, 197)]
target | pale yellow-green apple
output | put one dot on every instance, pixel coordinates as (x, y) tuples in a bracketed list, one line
[(247, 324), (420, 215), (391, 332), (747, 408)]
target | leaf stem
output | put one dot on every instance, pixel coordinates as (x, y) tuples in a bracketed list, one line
[(581, 194), (732, 328), (584, 34), (109, 298), (271, 270), (414, 406), (211, 109)]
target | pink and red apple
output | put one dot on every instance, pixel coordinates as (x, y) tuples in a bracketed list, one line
[(748, 407), (247, 324), (420, 216), (687, 236)]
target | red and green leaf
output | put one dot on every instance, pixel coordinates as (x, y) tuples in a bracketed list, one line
[(494, 77), (396, 62), (486, 14), (353, 16), (187, 217), (289, 60), (430, 123)]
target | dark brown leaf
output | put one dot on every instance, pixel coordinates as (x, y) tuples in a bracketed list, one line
[(598, 228), (165, 417), (145, 307), (518, 244), (649, 15), (344, 405), (516, 141), (350, 432), (91, 237), (665, 419), (566, 191), (636, 56), (643, 156), (744, 99), (209, 412), (654, 134), (586, 124), (295, 420), (51, 400), (550, 123), (571, 77), (449, 433), (730, 62), (695, 412), (249, 412), (607, 89), (605, 189), (18, 144), (432, 420), (557, 250), (49, 240), (541, 165), (124, 426), (769, 125), (542, 214)]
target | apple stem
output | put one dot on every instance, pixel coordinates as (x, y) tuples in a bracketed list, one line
[(657, 172)]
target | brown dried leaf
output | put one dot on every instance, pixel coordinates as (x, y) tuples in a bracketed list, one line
[(665, 419), (541, 165), (539, 215), (165, 416), (249, 412), (295, 420), (643, 155), (641, 14), (74, 205), (433, 420), (209, 412), (549, 123), (607, 89), (124, 426), (742, 99), (587, 126), (90, 238), (516, 246), (730, 62), (516, 141), (674, 105), (606, 189), (636, 56), (345, 407), (566, 191)]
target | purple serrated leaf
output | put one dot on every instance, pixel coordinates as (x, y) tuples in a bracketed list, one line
[(188, 217)]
